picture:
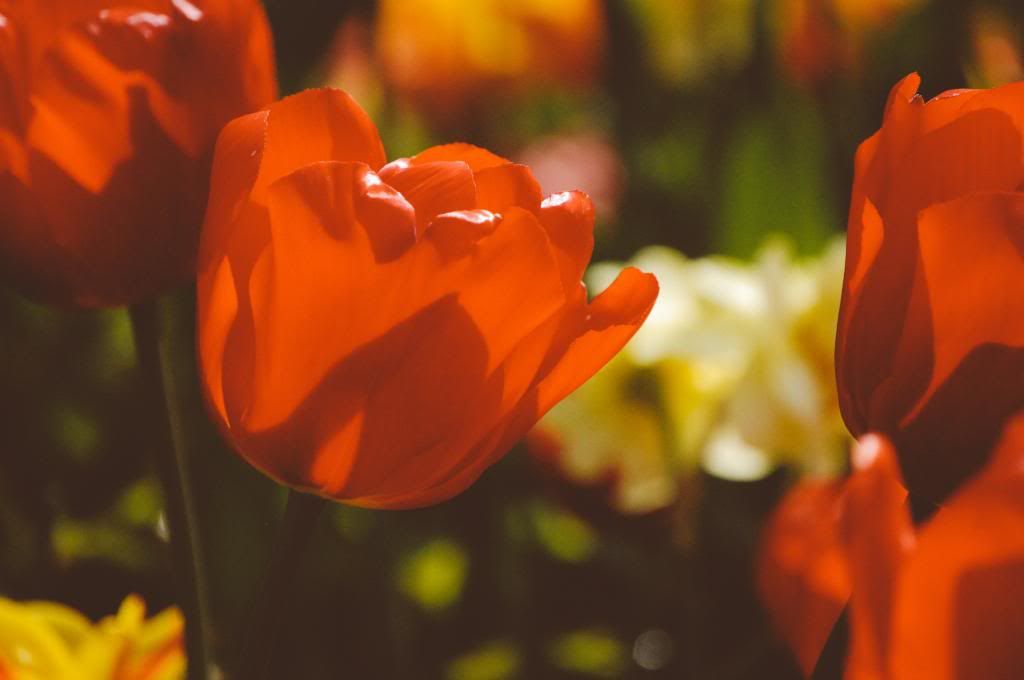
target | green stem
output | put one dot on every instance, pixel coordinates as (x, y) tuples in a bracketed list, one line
[(294, 537), (164, 420)]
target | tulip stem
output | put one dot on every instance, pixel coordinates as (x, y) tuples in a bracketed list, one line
[(165, 420), (293, 539)]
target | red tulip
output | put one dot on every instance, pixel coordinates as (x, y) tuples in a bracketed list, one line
[(801, 572), (108, 116), (941, 602), (930, 348), (381, 333)]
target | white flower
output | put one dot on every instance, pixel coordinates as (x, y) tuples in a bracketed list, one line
[(732, 371)]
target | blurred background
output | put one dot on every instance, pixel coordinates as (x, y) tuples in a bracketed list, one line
[(717, 139)]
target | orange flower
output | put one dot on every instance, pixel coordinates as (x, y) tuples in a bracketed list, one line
[(108, 115), (381, 333), (930, 347), (941, 602), (442, 54)]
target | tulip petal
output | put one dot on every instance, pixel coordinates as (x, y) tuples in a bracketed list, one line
[(324, 263), (218, 312), (957, 615), (236, 164), (107, 186), (511, 288), (475, 157), (456, 233), (79, 101), (13, 88), (313, 126), (479, 435), (802, 576), (972, 278), (406, 391), (1005, 99), (858, 368), (612, 319), (41, 21), (112, 128), (880, 534), (972, 259), (432, 188), (926, 153), (908, 117), (505, 186), (390, 219), (569, 220), (187, 61), (235, 234)]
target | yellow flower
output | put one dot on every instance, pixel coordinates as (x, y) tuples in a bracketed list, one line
[(732, 372), (49, 641), (446, 54)]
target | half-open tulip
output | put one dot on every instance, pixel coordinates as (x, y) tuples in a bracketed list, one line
[(380, 333), (940, 602), (930, 347), (108, 115)]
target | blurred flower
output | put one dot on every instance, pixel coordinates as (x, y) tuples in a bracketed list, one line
[(381, 334), (350, 64), (816, 38), (48, 641), (444, 55), (593, 653), (931, 329), (691, 41), (434, 575), (801, 573), (810, 44), (585, 160), (940, 602), (732, 370), (498, 660), (998, 54), (108, 115)]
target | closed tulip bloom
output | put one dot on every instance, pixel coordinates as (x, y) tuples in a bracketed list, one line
[(930, 346), (380, 333), (108, 116), (937, 602)]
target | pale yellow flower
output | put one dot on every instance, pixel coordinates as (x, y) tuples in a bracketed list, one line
[(732, 371), (49, 641)]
